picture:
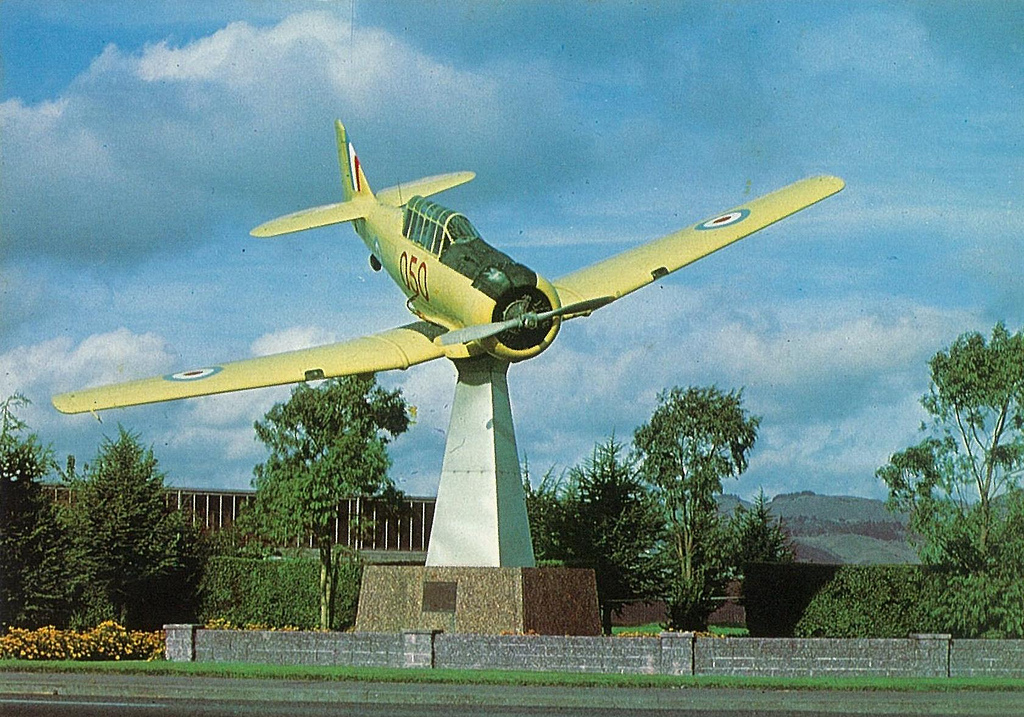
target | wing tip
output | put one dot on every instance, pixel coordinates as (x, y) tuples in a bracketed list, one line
[(65, 403), (831, 182)]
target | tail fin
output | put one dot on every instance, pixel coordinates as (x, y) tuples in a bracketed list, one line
[(353, 187), (353, 182)]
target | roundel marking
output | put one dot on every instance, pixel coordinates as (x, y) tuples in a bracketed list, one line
[(195, 374), (725, 220)]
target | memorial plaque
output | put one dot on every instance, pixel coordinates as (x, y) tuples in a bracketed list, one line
[(439, 597)]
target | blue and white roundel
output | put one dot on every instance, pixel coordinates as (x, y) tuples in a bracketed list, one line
[(194, 374), (725, 220)]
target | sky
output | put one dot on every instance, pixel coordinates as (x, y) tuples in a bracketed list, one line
[(140, 142)]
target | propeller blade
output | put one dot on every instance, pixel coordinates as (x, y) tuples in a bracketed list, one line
[(485, 331), (580, 307), (479, 332)]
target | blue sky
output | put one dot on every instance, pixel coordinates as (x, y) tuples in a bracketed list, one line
[(141, 141)]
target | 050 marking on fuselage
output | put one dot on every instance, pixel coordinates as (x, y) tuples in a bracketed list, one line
[(414, 275)]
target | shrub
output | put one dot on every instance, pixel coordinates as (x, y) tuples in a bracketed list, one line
[(34, 571), (348, 577), (689, 603), (107, 641), (869, 601), (276, 593), (896, 600)]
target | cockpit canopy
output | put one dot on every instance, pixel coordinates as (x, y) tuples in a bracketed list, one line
[(434, 227)]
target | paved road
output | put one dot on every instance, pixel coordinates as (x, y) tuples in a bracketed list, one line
[(62, 695)]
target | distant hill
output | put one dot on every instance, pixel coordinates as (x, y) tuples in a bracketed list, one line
[(838, 529)]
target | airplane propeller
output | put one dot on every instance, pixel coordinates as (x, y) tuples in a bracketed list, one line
[(528, 320)]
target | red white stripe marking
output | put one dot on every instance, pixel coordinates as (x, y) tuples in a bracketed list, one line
[(353, 165)]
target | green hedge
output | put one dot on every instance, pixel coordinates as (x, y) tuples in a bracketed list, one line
[(870, 601), (276, 593), (776, 594), (880, 601)]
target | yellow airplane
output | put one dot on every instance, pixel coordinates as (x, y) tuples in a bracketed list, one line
[(471, 299)]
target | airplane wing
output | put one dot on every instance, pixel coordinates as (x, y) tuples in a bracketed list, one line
[(635, 268), (395, 349)]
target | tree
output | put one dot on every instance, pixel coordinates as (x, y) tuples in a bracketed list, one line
[(547, 515), (603, 518), (757, 536), (972, 454), (327, 444), (137, 558), (961, 485), (695, 438), (33, 573)]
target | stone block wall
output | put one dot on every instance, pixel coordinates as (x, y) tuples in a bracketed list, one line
[(986, 658), (926, 656), (180, 642), (300, 648), (667, 654), (547, 653), (677, 653)]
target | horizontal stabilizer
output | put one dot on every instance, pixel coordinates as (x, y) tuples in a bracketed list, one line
[(398, 196), (315, 217)]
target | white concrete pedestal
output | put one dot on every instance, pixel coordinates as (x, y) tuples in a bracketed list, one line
[(480, 516)]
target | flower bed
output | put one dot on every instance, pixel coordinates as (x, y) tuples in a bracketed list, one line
[(107, 641)]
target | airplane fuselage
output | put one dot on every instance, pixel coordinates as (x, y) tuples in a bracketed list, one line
[(452, 277)]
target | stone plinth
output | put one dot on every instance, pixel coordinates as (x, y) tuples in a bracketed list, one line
[(545, 601)]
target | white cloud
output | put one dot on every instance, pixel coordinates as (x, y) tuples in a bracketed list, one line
[(836, 383), (153, 149), (812, 341), (839, 455), (159, 148), (38, 371), (292, 339), (58, 364)]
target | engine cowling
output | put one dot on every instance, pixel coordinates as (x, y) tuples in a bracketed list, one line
[(526, 342)]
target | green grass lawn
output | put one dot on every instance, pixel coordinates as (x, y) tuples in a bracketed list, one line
[(491, 677), (727, 631)]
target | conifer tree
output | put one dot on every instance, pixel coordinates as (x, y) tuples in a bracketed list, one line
[(33, 573), (138, 559)]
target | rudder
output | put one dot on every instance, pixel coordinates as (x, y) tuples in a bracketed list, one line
[(353, 181)]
